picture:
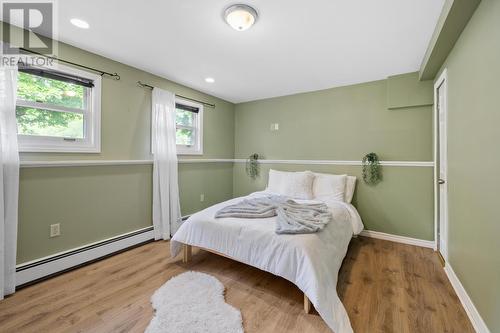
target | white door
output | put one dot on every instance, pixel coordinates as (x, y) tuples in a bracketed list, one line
[(440, 92)]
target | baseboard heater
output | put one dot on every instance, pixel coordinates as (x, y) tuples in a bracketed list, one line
[(43, 268)]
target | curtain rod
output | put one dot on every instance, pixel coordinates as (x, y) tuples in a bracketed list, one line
[(145, 85), (113, 75)]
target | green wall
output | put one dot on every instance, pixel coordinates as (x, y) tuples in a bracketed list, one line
[(473, 68), (452, 21), (336, 124), (406, 90), (344, 124), (401, 205), (95, 203), (91, 203)]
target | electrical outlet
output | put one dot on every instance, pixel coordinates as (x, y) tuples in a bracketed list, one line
[(275, 127), (202, 197), (55, 230)]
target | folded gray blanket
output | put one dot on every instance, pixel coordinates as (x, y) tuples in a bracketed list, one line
[(292, 217)]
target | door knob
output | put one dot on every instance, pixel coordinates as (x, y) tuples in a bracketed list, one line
[(441, 181)]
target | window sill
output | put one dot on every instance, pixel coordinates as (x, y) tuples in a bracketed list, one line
[(75, 150), (189, 153)]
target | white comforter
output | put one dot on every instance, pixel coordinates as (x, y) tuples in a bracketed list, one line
[(310, 261)]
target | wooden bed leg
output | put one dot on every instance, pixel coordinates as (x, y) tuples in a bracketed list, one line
[(307, 304), (187, 250)]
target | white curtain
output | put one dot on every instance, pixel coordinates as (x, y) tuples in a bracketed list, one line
[(9, 180), (166, 206)]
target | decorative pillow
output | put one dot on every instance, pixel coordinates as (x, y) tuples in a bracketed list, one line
[(297, 185), (349, 188), (276, 181), (329, 187)]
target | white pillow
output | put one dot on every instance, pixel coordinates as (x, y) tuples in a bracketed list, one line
[(349, 188), (276, 181), (297, 185), (329, 187)]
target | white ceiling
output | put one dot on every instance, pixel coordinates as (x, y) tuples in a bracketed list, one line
[(295, 46)]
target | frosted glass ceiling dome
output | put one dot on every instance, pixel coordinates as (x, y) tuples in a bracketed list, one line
[(240, 17)]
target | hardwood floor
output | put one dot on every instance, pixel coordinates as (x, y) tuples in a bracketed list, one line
[(385, 286)]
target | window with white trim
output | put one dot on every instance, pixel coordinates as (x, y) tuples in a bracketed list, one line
[(189, 127), (58, 110)]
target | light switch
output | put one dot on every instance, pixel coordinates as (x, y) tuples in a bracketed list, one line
[(55, 230)]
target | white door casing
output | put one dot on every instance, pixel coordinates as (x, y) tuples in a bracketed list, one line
[(441, 166)]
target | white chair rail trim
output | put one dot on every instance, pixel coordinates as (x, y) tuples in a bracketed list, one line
[(80, 163), (343, 162)]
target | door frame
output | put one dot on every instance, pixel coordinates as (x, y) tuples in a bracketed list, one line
[(441, 81)]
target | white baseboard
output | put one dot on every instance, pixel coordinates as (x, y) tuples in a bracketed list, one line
[(474, 316), (34, 270), (398, 239)]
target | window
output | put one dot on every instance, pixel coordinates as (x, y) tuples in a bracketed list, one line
[(58, 110), (189, 127)]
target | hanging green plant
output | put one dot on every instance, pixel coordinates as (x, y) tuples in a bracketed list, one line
[(372, 173), (252, 166)]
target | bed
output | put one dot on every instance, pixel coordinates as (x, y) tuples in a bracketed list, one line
[(310, 261)]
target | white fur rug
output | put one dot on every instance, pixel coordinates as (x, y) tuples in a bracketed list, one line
[(193, 302)]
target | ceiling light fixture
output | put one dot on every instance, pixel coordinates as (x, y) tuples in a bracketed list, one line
[(240, 17), (210, 80), (79, 23)]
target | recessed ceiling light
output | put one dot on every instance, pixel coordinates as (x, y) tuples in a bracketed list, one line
[(240, 17), (210, 80), (79, 23)]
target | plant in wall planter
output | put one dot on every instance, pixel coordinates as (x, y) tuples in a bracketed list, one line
[(372, 173), (252, 166)]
